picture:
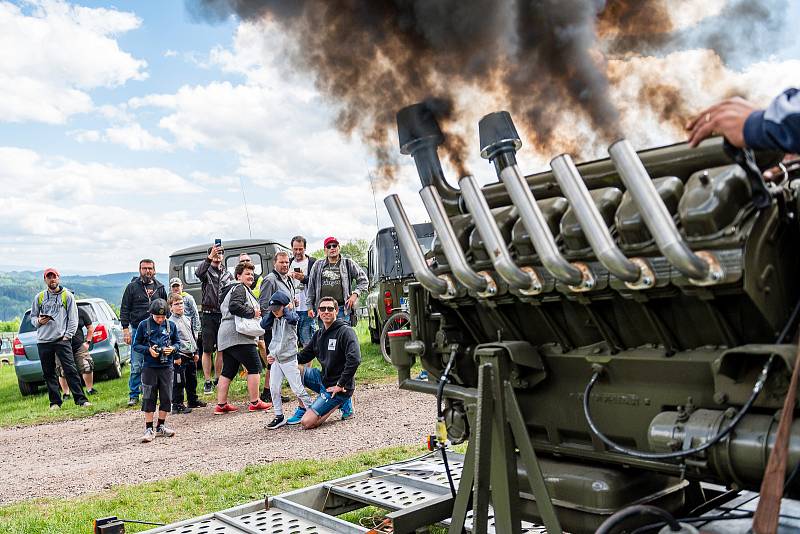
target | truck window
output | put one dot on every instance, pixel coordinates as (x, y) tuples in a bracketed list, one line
[(188, 271), (232, 261)]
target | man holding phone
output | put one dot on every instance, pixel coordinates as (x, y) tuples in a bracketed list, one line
[(54, 314), (301, 266), (214, 276)]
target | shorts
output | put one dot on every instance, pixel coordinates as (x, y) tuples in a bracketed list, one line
[(83, 362), (209, 322), (236, 355), (157, 383)]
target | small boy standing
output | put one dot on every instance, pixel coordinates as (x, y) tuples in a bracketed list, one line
[(157, 339), (282, 355), (183, 367)]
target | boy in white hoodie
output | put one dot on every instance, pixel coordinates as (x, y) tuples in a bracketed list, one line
[(282, 354)]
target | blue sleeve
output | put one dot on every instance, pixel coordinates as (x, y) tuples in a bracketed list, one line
[(291, 316), (778, 126), (266, 321), (139, 342)]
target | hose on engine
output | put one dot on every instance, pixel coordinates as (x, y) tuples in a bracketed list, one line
[(443, 379), (757, 387)]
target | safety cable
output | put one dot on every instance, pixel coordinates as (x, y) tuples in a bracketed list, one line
[(440, 415)]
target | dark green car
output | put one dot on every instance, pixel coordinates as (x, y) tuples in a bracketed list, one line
[(389, 274)]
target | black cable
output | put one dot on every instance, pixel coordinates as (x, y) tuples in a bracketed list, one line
[(440, 416), (757, 387), (636, 510)]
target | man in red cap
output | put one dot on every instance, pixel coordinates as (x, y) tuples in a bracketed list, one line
[(54, 314)]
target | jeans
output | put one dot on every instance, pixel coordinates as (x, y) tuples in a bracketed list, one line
[(47, 357), (305, 328), (312, 379), (137, 359)]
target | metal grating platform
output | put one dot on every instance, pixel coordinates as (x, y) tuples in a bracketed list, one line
[(313, 510)]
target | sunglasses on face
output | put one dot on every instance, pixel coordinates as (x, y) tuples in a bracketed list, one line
[(333, 245), (327, 308)]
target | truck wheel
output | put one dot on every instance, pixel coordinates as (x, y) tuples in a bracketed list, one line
[(375, 333), (26, 388), (398, 321)]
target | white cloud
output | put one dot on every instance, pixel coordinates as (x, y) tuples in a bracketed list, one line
[(136, 138), (85, 136), (53, 52)]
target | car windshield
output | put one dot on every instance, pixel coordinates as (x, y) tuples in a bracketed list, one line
[(25, 325)]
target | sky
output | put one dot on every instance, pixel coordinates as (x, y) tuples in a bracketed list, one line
[(129, 129)]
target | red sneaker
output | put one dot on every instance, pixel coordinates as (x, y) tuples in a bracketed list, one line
[(261, 405), (220, 410)]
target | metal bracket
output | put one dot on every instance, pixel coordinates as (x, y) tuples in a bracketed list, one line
[(536, 282), (491, 286), (647, 277), (588, 281), (716, 273)]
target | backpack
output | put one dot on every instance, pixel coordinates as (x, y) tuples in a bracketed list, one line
[(40, 298)]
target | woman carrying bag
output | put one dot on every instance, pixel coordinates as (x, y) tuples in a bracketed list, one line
[(238, 339)]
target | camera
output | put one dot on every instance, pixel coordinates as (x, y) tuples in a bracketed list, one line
[(162, 358)]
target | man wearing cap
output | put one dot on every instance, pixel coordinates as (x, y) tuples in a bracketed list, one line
[(214, 276), (134, 309), (333, 278), (54, 314)]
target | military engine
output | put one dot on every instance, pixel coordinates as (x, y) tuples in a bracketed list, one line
[(622, 326)]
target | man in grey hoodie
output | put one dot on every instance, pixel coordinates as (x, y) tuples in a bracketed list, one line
[(54, 314)]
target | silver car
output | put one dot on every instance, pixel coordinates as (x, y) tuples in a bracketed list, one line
[(108, 349)]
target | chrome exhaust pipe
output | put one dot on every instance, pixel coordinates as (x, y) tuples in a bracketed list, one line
[(593, 226), (441, 287), (527, 281), (655, 215), (481, 282), (499, 143)]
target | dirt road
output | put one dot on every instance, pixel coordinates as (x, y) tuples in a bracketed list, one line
[(76, 457)]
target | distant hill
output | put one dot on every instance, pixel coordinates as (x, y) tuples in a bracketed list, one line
[(17, 289)]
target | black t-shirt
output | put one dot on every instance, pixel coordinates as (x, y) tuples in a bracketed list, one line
[(84, 319), (331, 285)]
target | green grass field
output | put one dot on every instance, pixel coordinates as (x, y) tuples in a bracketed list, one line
[(191, 495), (113, 396)]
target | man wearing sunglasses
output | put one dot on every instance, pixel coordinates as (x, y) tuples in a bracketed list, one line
[(333, 278), (336, 347)]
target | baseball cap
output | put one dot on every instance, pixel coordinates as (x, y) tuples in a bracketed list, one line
[(175, 281), (330, 239), (50, 270), (158, 307), (278, 300)]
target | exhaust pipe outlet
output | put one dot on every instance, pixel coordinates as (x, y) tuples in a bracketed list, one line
[(527, 281), (656, 217), (420, 135), (481, 282), (441, 287), (593, 226), (499, 144)]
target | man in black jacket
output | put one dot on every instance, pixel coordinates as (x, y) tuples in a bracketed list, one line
[(134, 309), (336, 347), (214, 276)]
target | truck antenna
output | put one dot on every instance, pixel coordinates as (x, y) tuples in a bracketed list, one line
[(247, 212)]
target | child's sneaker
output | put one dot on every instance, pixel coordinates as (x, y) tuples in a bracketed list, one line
[(278, 422), (180, 408), (219, 410), (163, 431), (298, 415), (260, 405), (149, 435)]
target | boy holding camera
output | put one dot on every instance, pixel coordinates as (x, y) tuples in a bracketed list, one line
[(157, 339)]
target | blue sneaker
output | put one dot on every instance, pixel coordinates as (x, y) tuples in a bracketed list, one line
[(295, 419), (347, 412), (423, 375)]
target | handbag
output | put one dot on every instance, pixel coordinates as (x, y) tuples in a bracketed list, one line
[(245, 326)]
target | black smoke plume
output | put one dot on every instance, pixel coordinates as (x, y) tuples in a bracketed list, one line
[(545, 58)]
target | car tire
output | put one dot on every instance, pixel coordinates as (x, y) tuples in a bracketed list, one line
[(27, 388), (398, 321), (115, 371)]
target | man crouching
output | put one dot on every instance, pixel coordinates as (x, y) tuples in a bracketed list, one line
[(336, 347), (157, 339)]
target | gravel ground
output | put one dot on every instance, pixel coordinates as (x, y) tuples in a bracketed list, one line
[(90, 455)]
